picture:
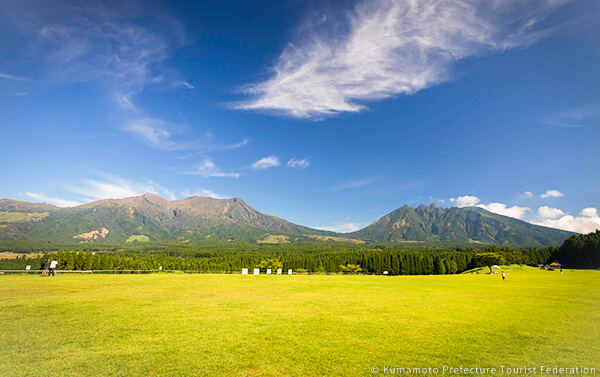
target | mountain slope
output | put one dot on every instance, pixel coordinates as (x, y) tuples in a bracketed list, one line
[(194, 218), (200, 218), (457, 225)]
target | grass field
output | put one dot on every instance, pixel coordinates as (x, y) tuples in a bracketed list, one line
[(233, 325)]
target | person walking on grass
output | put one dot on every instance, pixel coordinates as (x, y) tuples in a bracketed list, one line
[(46, 267), (503, 275), (53, 266)]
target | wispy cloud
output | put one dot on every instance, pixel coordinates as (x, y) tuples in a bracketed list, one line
[(165, 135), (298, 164), (386, 48), (204, 192), (52, 200), (11, 77), (209, 169), (236, 145), (576, 118), (352, 184), (552, 194), (153, 131), (123, 47), (266, 163), (342, 227), (113, 187)]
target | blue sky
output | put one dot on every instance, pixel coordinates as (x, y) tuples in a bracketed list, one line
[(328, 114)]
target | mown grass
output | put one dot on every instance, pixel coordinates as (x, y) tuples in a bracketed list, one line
[(138, 238), (233, 325)]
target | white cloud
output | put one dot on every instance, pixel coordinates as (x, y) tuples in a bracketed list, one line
[(112, 187), (545, 212), (302, 164), (56, 201), (465, 201), (587, 222), (151, 130), (552, 194), (501, 209), (208, 169), (212, 194), (580, 224), (387, 48), (204, 192), (236, 145), (181, 84), (165, 135), (341, 227), (589, 212), (266, 163), (528, 194)]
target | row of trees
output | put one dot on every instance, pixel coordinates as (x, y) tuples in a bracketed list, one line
[(395, 262)]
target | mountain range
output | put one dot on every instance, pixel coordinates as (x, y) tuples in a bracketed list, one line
[(196, 219)]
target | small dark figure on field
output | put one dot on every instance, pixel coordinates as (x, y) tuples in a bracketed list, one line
[(45, 267), (561, 271), (53, 266), (503, 276)]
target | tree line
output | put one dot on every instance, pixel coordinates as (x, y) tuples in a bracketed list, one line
[(378, 261)]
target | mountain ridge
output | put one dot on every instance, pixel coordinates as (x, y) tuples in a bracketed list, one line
[(199, 218), (463, 225)]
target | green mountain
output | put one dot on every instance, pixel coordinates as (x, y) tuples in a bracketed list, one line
[(458, 225), (150, 217), (119, 220)]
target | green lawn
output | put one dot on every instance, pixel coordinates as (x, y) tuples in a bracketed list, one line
[(234, 325)]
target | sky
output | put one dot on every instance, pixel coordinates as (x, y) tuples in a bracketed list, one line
[(329, 114)]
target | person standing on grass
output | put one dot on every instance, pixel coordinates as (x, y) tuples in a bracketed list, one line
[(561, 271), (53, 266), (45, 267), (503, 276)]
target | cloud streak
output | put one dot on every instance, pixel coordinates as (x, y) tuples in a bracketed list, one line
[(52, 200), (298, 164), (342, 227), (266, 163), (388, 48), (14, 78), (112, 187), (208, 169)]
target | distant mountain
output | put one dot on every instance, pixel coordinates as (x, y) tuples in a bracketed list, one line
[(458, 225), (117, 220), (150, 217)]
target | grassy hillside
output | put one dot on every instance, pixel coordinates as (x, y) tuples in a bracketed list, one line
[(233, 325)]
